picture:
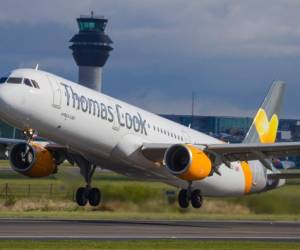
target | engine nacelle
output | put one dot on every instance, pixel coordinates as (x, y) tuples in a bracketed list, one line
[(187, 162), (32, 160)]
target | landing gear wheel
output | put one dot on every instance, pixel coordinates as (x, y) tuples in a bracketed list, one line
[(94, 197), (81, 196), (29, 157), (196, 198), (183, 198)]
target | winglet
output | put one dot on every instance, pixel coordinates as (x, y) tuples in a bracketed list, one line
[(266, 121)]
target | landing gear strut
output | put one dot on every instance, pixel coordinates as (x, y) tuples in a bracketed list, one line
[(87, 194), (187, 196)]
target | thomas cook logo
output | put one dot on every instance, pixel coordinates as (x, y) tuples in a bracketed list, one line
[(266, 129), (104, 111)]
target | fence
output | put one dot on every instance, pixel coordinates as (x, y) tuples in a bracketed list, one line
[(59, 191), (53, 191)]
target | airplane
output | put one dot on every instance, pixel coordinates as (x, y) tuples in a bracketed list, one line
[(92, 129)]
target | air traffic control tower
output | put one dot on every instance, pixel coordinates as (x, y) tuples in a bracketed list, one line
[(91, 47)]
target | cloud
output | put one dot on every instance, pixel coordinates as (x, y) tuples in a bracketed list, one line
[(228, 52), (161, 103), (191, 28)]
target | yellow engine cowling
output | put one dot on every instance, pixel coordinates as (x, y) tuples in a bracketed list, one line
[(32, 160), (187, 162)]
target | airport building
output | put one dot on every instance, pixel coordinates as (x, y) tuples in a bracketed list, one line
[(232, 129)]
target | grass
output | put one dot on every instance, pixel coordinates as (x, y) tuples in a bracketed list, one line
[(279, 201), (126, 198), (117, 215), (147, 245)]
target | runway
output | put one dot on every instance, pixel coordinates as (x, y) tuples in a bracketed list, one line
[(131, 230)]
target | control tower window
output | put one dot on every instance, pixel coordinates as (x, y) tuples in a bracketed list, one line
[(3, 79), (15, 80), (27, 82), (91, 26), (87, 25)]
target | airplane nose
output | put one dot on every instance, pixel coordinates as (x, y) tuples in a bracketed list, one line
[(6, 98), (3, 105)]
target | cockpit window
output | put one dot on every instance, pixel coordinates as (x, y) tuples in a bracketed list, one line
[(35, 84), (15, 80), (3, 79), (28, 82)]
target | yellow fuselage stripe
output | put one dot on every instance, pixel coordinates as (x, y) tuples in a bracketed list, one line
[(248, 176)]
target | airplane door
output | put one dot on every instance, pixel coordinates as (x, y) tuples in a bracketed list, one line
[(116, 125), (56, 92)]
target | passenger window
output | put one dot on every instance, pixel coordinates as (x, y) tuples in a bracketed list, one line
[(15, 80), (27, 82), (35, 84), (3, 79)]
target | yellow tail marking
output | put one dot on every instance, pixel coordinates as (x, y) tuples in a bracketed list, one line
[(247, 175), (267, 130)]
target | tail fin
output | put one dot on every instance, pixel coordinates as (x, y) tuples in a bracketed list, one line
[(265, 124)]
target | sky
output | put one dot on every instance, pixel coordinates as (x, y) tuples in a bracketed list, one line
[(226, 52)]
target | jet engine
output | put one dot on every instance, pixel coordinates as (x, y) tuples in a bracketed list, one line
[(32, 160), (187, 162)]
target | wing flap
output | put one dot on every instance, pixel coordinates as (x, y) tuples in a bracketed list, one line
[(247, 152)]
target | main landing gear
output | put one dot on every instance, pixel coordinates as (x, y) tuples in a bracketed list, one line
[(87, 194), (187, 196)]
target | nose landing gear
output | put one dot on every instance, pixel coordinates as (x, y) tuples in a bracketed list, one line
[(29, 133)]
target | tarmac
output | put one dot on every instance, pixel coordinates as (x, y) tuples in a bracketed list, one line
[(41, 229)]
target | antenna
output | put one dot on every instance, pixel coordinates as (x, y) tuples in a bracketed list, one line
[(193, 109), (37, 67)]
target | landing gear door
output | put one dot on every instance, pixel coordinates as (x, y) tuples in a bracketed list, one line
[(56, 92)]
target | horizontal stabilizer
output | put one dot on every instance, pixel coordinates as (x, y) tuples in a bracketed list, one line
[(284, 175)]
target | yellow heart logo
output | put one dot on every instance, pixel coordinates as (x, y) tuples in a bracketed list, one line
[(267, 130)]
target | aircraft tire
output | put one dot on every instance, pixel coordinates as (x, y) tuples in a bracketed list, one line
[(183, 199), (94, 197), (81, 196), (196, 198)]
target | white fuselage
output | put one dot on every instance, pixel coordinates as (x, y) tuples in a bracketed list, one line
[(110, 132)]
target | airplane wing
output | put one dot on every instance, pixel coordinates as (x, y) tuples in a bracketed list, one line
[(5, 143), (227, 153)]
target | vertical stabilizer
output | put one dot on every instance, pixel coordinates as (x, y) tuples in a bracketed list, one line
[(266, 121)]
